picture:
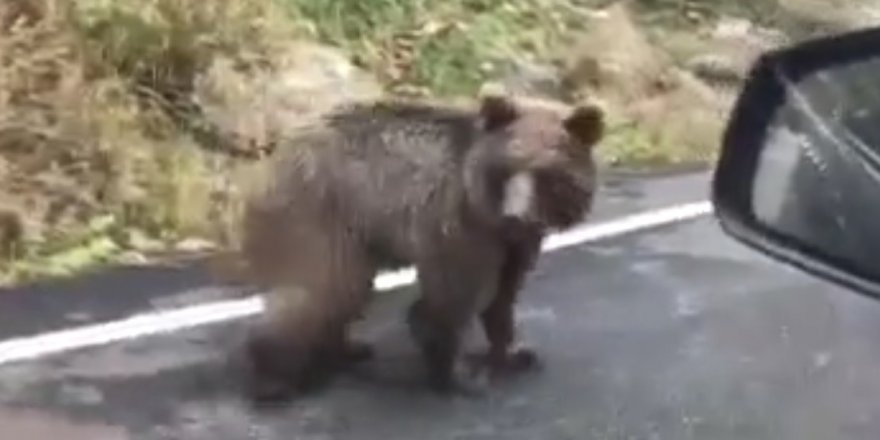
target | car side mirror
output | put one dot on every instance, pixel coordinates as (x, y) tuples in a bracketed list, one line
[(799, 173)]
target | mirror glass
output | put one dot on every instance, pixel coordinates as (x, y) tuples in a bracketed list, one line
[(817, 179)]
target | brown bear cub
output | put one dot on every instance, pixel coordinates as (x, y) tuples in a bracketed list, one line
[(466, 196)]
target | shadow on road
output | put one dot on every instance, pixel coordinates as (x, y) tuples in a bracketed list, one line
[(107, 294)]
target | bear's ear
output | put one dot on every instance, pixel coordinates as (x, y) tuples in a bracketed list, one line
[(497, 109), (586, 123)]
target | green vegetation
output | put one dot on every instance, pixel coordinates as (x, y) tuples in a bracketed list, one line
[(439, 47), (94, 125)]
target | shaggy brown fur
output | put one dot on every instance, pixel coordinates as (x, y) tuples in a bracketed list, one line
[(382, 185)]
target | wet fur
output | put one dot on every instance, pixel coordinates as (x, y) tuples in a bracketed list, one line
[(382, 185)]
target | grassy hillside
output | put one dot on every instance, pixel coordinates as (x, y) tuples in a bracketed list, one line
[(104, 155), (99, 142)]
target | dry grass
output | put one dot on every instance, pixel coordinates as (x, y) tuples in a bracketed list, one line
[(93, 121)]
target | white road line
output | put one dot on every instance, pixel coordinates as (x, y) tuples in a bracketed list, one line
[(148, 324)]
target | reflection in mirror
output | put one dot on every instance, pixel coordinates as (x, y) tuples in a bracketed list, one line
[(818, 177)]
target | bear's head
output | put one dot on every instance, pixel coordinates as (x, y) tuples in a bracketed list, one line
[(532, 160)]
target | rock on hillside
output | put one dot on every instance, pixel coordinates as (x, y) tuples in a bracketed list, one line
[(254, 108), (678, 115)]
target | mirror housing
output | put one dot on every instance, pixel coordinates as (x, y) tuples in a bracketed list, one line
[(798, 177)]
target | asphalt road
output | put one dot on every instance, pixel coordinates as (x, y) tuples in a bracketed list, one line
[(672, 333)]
